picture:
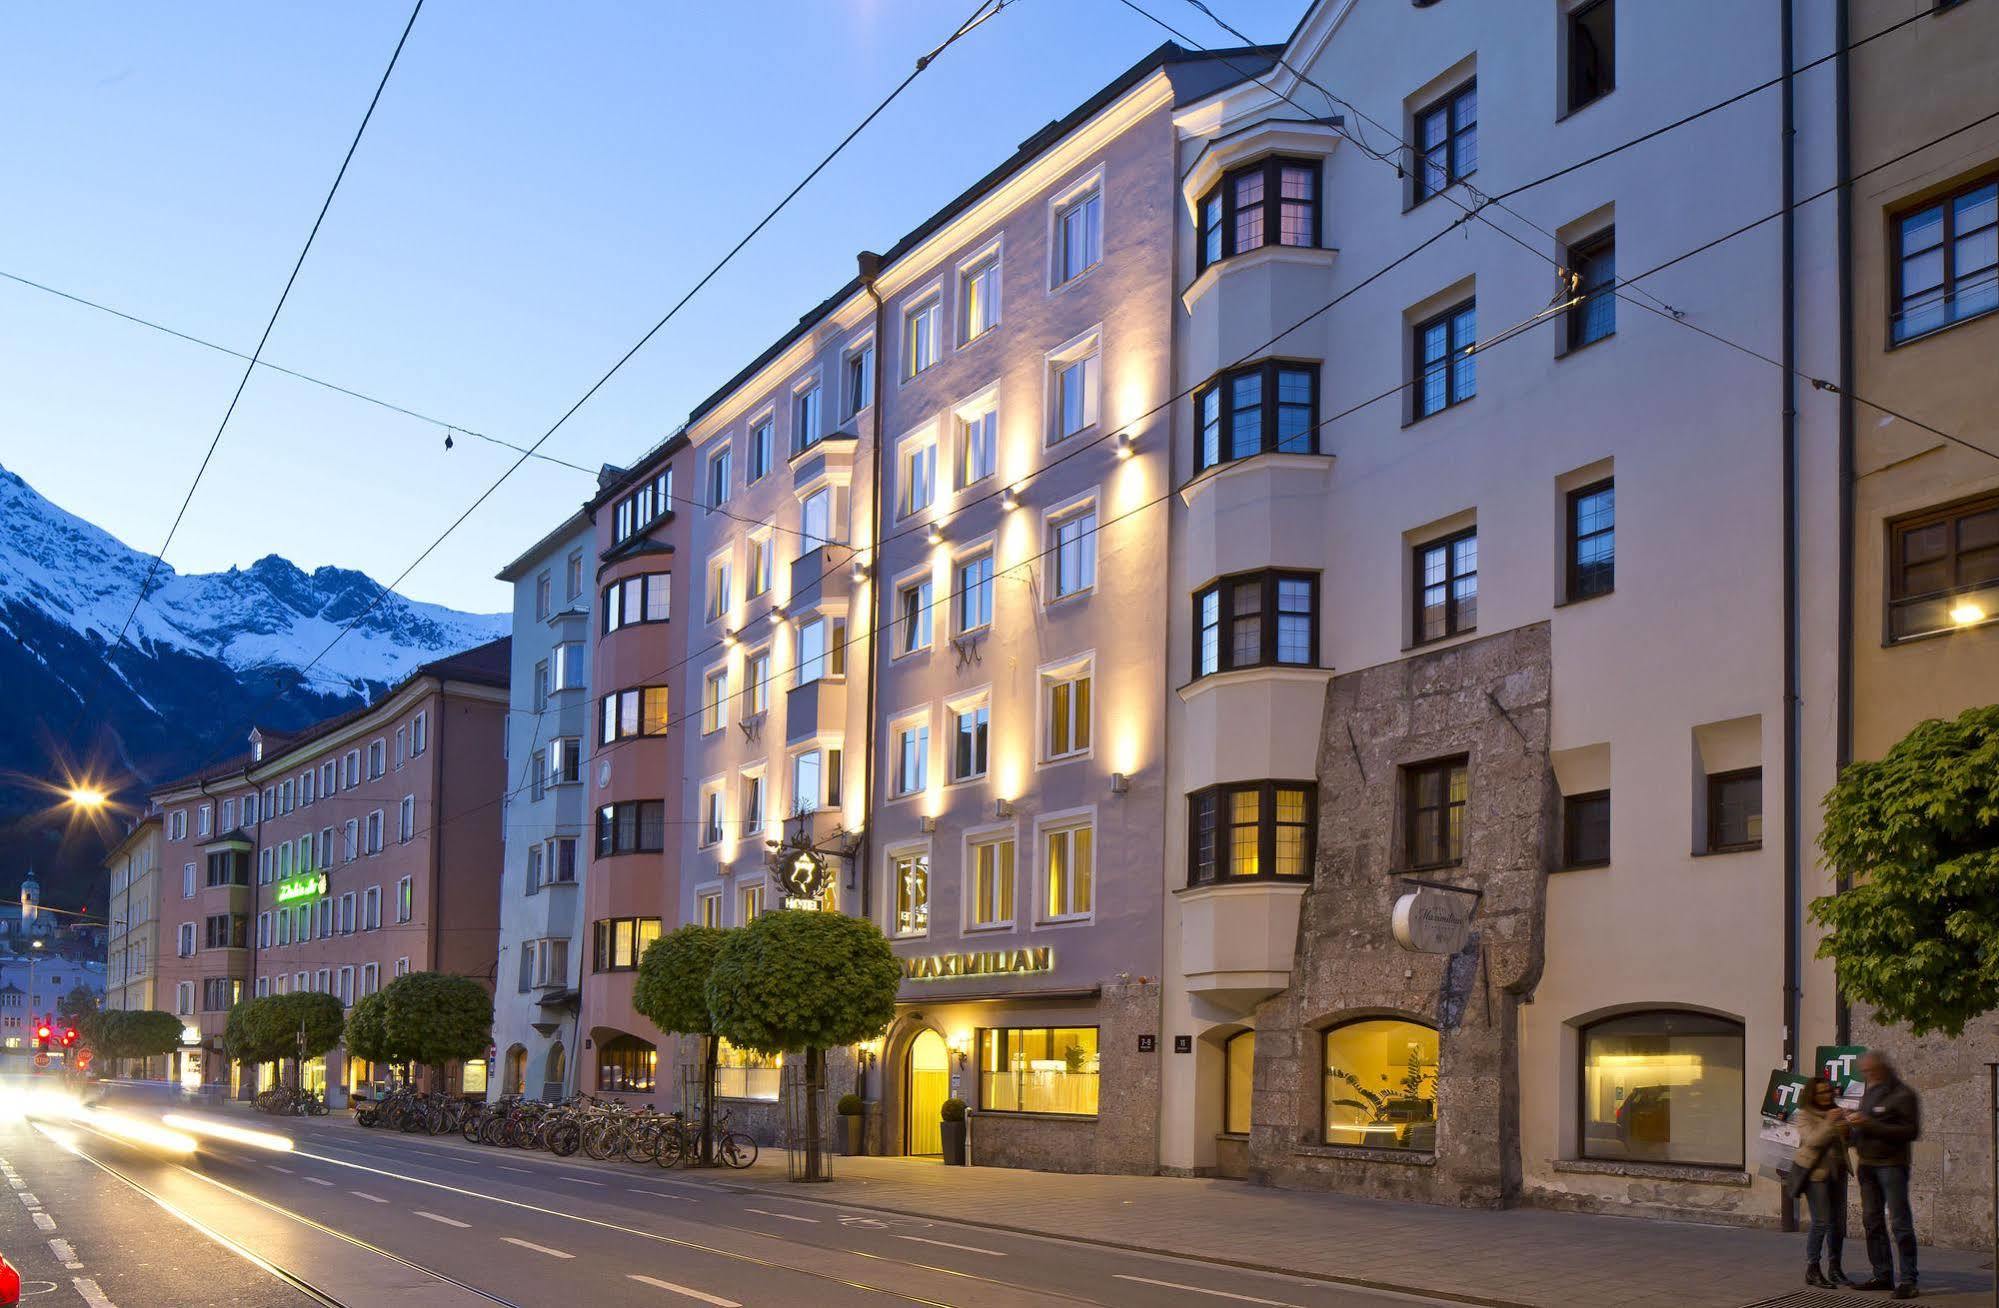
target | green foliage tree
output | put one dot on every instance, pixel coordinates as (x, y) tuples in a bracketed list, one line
[(672, 990), (141, 1033), (246, 1033), (367, 1035), (804, 980), (1916, 834), (78, 1007), (301, 1025), (436, 1018)]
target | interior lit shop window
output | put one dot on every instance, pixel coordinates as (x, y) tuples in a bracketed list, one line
[(1381, 1085), (626, 1064), (1038, 1070), (1238, 1074), (1663, 1087), (740, 1074)]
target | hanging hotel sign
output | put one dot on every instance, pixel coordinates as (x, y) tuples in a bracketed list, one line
[(802, 872), (984, 962), (1434, 919), (305, 887)]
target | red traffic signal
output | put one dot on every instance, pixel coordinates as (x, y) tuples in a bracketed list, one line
[(69, 1037), (42, 1032)]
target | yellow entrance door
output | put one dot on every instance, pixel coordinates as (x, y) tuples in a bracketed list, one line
[(929, 1087)]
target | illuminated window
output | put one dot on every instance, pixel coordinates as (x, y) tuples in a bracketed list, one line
[(1038, 1070), (626, 1064), (805, 431), (741, 1074), (911, 874), (620, 942), (641, 711), (922, 334), (1069, 858), (1943, 568), (1238, 1076), (979, 298), (992, 883), (1270, 202), (1663, 1087), (1381, 1085), (1250, 829), (1066, 713)]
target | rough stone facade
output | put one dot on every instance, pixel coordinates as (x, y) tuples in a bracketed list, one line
[(1950, 1177), (1124, 1136), (1488, 700)]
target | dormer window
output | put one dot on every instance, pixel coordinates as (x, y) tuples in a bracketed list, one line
[(1273, 201)]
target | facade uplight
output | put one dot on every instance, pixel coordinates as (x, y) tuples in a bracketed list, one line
[(1967, 613)]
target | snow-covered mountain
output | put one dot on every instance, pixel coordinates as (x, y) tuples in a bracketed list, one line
[(203, 653)]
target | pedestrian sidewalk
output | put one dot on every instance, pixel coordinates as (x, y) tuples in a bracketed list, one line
[(1516, 1257)]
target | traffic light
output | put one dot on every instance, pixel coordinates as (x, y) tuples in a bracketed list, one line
[(42, 1034), (69, 1037)]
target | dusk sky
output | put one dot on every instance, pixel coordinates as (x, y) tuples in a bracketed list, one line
[(539, 183)]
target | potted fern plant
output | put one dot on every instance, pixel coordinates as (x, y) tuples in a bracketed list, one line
[(953, 1114)]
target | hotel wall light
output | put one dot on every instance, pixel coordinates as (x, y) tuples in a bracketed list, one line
[(1120, 784)]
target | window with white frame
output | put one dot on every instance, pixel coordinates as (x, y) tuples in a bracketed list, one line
[(756, 683), (405, 899), (185, 945), (971, 731), (762, 559), (913, 615), (715, 699), (351, 847), (857, 387), (561, 861), (822, 648), (647, 597), (979, 296), (403, 966), (265, 865), (712, 816), (544, 596), (917, 466), (909, 871), (720, 586), (371, 908), (406, 820), (184, 998), (1074, 544), (204, 818), (572, 586), (911, 737), (402, 747), (749, 902), (371, 978), (378, 753), (1068, 856), (805, 428), (989, 892), (1065, 707), (1079, 232), (975, 592), (375, 832), (708, 908), (567, 666), (187, 881), (1075, 377), (978, 440), (352, 766), (565, 761), (815, 519), (922, 334), (719, 477), (754, 813), (808, 780), (177, 825), (347, 919), (537, 873), (757, 465)]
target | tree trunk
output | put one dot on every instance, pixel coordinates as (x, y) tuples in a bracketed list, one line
[(711, 1059), (815, 1072)]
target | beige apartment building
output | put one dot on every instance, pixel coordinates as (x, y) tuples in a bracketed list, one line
[(208, 826), (1922, 577), (132, 939)]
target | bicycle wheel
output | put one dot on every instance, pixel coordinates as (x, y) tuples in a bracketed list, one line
[(366, 1117), (564, 1138), (597, 1140), (672, 1148), (737, 1149), (468, 1126)]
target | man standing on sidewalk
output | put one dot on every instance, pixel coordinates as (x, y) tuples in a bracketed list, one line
[(1889, 1120)]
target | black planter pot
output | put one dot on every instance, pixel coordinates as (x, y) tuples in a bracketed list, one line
[(853, 1134), (954, 1144)]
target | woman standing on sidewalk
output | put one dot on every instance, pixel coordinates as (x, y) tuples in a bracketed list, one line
[(1822, 1153)]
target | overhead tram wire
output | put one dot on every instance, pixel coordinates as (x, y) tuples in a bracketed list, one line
[(269, 325), (984, 10)]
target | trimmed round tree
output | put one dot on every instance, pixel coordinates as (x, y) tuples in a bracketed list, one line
[(1916, 833), (304, 1025), (367, 1037), (797, 979), (144, 1033), (672, 990), (437, 1018), (248, 1035)]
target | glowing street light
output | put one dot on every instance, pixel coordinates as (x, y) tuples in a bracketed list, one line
[(89, 797)]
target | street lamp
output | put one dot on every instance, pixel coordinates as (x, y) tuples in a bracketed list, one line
[(86, 797)]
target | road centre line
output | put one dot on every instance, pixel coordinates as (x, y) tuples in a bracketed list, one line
[(656, 1283), (538, 1248), (43, 1220), (946, 1244), (93, 1294), (789, 1217), (1197, 1289), (371, 1198), (440, 1217)]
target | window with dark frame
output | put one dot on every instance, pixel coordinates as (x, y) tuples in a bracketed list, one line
[(1946, 261), (1446, 365), (1592, 52), (630, 601), (620, 942), (1256, 619), (1735, 810), (1266, 407), (1433, 813), (1263, 829), (1447, 141), (1594, 263), (1446, 573), (1943, 568), (1592, 540), (1273, 201), (1586, 829), (643, 507), (631, 827)]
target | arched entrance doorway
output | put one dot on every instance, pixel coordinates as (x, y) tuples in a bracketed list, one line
[(929, 1086)]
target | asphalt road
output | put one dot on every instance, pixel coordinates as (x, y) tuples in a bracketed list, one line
[(356, 1217)]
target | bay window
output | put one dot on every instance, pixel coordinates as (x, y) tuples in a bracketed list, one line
[(1256, 619), (1273, 201), (1263, 408), (1251, 829)]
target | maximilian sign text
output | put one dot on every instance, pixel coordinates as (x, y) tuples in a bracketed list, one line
[(985, 962)]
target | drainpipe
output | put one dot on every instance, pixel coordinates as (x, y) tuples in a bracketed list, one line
[(1793, 783), (870, 268), (1843, 729)]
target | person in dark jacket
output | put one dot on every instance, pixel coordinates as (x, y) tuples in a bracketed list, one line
[(1889, 1120)]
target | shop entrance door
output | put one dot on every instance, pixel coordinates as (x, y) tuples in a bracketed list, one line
[(929, 1087)]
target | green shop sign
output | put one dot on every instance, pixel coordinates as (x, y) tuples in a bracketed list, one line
[(305, 887)]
